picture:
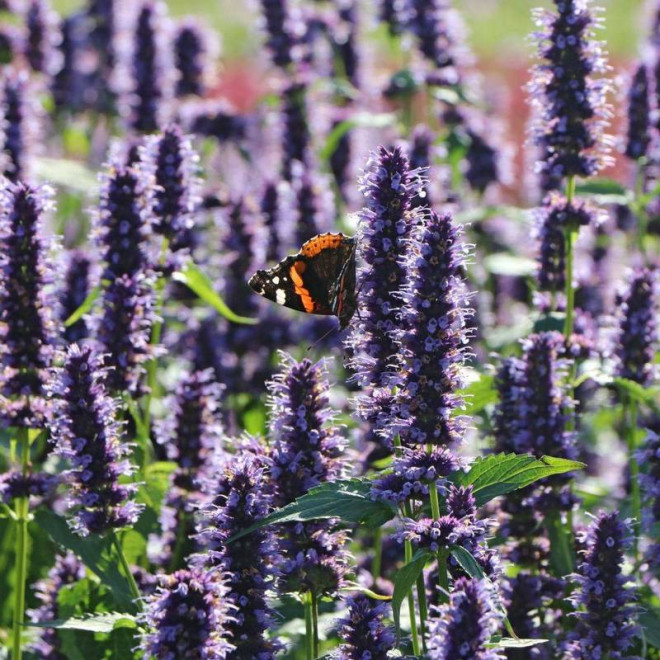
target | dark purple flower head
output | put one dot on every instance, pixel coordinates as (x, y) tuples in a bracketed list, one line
[(17, 117), (639, 114), (432, 535), (174, 163), (363, 632), (465, 625), (68, 570), (638, 328), (73, 294), (461, 502), (28, 330), (412, 473), (241, 497), (194, 431), (186, 617), (123, 330), (217, 120), (482, 167), (648, 456), (388, 186), (508, 382), (69, 85), (195, 50), (606, 626), (40, 24), (295, 128), (282, 31), (434, 336), (106, 17), (570, 101), (279, 228), (343, 34), (14, 484), (420, 156), (85, 431), (123, 224)]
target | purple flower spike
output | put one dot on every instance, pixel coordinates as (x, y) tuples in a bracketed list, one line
[(174, 163), (482, 167), (363, 631), (508, 383), (242, 497), (187, 617), (14, 484), (434, 334), (40, 24), (68, 570), (465, 625), (76, 290), (391, 12), (295, 129), (572, 112), (388, 186), (639, 114), (194, 50), (28, 330), (606, 626), (638, 335), (648, 456), (17, 112), (86, 433), (281, 37)]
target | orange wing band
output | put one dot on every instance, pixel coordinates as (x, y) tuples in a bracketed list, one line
[(299, 287)]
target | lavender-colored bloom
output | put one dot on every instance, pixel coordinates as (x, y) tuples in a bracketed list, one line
[(388, 185), (306, 452), (433, 335), (508, 382), (431, 534), (465, 625), (68, 570), (391, 12), (344, 37), (282, 31), (648, 456), (174, 163), (481, 162), (639, 114), (85, 431), (186, 617), (363, 632), (192, 50), (638, 328), (28, 330), (14, 484), (69, 84), (241, 497), (16, 113), (295, 129), (75, 291), (218, 121), (104, 15), (419, 154), (123, 331), (39, 21), (274, 219), (571, 109), (606, 628)]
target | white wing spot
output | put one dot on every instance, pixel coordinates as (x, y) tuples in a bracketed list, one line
[(275, 280), (280, 296)]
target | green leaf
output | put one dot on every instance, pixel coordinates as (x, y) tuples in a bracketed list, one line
[(499, 474), (504, 263), (554, 321), (601, 187), (650, 623), (85, 307), (348, 501), (97, 553), (97, 623), (67, 173), (467, 561), (638, 392), (404, 580), (519, 642), (479, 394), (562, 554), (368, 119), (202, 286)]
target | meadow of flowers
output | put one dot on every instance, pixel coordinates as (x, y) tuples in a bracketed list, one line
[(469, 470)]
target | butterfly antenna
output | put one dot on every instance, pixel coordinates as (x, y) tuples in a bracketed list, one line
[(320, 339)]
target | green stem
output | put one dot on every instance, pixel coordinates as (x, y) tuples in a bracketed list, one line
[(135, 592), (443, 578), (640, 210), (315, 623), (411, 603), (22, 514), (378, 555), (309, 626), (423, 609), (630, 416)]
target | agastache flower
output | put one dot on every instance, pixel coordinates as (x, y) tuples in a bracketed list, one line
[(433, 335), (638, 328), (482, 167), (639, 114), (648, 456), (186, 617), (419, 154), (14, 484), (465, 625), (68, 570), (363, 631), (295, 129), (508, 382), (569, 99), (40, 24), (28, 330), (69, 84), (281, 37), (104, 16), (174, 164), (194, 50), (240, 498), (606, 626), (85, 432), (75, 291)]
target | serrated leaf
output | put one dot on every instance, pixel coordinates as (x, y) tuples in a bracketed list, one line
[(519, 642), (505, 263), (499, 474), (478, 394), (650, 623), (97, 623), (97, 553), (467, 561), (202, 286), (368, 119), (404, 580), (85, 307), (348, 501)]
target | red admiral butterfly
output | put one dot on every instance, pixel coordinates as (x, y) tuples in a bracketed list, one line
[(320, 279)]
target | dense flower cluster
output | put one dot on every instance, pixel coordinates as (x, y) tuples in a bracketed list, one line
[(605, 627), (15, 484), (75, 291), (295, 129), (648, 456), (85, 431), (194, 51), (39, 21), (639, 114), (281, 31), (16, 118), (186, 617)]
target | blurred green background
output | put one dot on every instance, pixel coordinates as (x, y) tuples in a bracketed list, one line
[(498, 28)]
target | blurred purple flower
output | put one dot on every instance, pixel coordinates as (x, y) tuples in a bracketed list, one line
[(639, 114), (648, 456), (85, 432), (40, 22), (295, 129), (75, 291), (14, 484), (194, 52), (482, 167), (281, 37)]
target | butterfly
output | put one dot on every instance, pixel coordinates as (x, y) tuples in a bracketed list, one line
[(320, 279)]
